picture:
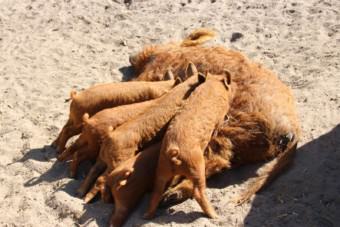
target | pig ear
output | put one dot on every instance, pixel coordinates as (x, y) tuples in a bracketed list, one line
[(202, 77), (191, 70), (169, 75), (227, 78)]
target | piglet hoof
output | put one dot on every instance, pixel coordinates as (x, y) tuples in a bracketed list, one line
[(54, 144), (60, 157), (59, 150), (64, 156), (80, 193), (213, 215), (107, 197), (88, 198), (73, 174), (172, 198), (148, 215)]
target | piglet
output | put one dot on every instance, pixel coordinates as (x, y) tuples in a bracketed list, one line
[(103, 96), (131, 180), (87, 146), (187, 137)]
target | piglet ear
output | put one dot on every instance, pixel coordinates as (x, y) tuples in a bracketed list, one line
[(202, 78), (133, 59), (227, 78), (110, 128), (73, 94), (178, 81), (168, 75), (86, 117), (191, 70)]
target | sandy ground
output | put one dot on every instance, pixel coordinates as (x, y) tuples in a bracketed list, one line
[(49, 47)]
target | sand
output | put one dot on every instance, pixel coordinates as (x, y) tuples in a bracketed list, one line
[(49, 47)]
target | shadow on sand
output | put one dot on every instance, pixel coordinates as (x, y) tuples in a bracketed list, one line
[(305, 195), (45, 154), (58, 170), (308, 193)]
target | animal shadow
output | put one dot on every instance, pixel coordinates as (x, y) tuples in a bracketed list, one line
[(308, 193), (58, 170), (128, 73), (45, 154), (304, 195)]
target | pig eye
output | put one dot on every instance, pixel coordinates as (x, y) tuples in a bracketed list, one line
[(284, 141)]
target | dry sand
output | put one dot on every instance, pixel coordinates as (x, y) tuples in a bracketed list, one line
[(49, 47)]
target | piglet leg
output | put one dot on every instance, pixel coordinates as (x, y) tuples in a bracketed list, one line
[(119, 216), (164, 175), (199, 190), (56, 142), (67, 132), (177, 194), (94, 172), (100, 186), (79, 156), (78, 144)]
